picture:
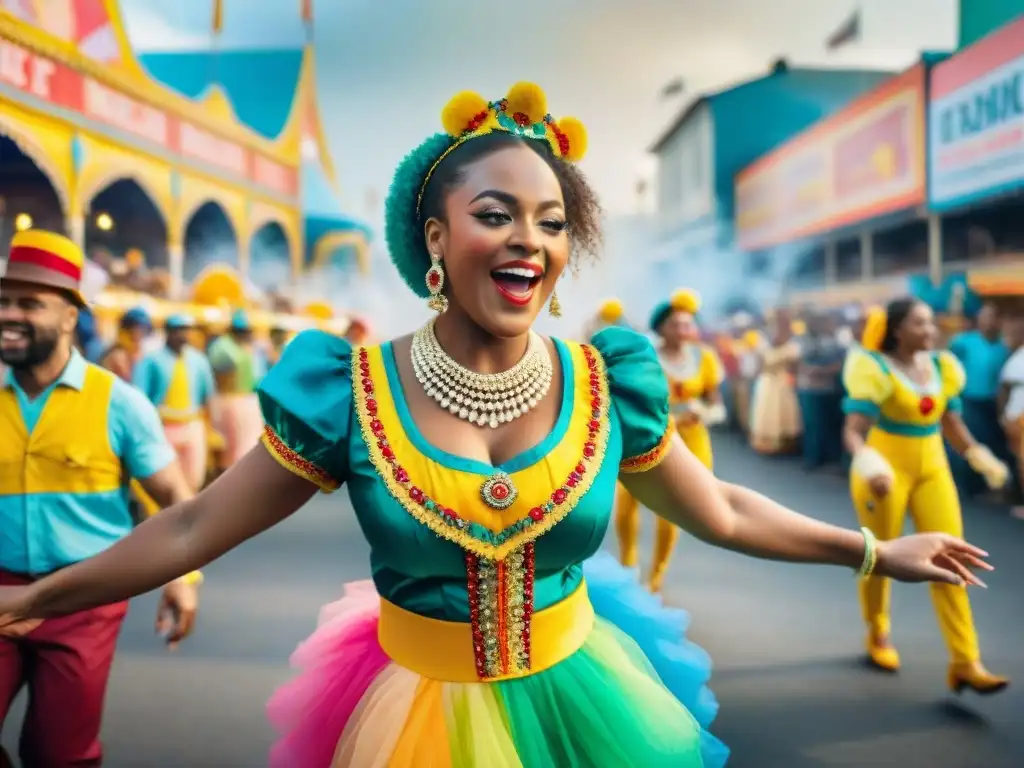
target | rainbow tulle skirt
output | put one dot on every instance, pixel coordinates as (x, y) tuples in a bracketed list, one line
[(634, 695)]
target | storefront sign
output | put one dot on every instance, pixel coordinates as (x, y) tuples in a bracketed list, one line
[(976, 121), (62, 86), (865, 161)]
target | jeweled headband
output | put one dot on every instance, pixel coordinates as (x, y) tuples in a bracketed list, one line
[(523, 112)]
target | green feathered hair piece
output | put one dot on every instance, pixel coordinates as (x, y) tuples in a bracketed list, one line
[(403, 231)]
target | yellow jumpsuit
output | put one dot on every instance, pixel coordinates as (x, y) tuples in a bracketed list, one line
[(699, 375), (908, 434)]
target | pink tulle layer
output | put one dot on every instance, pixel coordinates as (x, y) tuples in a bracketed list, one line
[(340, 661)]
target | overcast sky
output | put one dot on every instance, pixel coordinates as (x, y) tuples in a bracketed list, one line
[(386, 67)]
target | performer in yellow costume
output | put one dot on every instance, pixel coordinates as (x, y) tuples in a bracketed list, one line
[(902, 399), (695, 375)]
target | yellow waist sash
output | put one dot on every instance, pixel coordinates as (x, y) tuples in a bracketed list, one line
[(443, 650)]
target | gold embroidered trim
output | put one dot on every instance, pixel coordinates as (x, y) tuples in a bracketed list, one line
[(446, 522), (295, 464), (500, 612), (652, 458)]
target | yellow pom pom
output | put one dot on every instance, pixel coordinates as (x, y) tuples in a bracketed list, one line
[(611, 311), (685, 300), (752, 339), (576, 134), (874, 329), (528, 99), (460, 112)]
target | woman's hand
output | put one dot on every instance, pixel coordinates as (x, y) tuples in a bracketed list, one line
[(880, 485), (931, 557), (13, 609), (688, 418)]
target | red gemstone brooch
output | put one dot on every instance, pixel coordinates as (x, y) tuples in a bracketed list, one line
[(498, 492)]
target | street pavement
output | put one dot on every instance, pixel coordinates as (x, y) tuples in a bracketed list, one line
[(786, 640)]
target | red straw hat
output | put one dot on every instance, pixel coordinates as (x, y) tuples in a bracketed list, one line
[(45, 258)]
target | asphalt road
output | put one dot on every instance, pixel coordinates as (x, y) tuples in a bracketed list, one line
[(786, 640)]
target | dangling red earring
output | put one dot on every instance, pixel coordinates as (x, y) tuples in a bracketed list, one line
[(435, 284)]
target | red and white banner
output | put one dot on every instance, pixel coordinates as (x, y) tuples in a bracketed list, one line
[(61, 86)]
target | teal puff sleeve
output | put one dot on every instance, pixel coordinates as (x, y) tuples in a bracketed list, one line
[(639, 393), (306, 401)]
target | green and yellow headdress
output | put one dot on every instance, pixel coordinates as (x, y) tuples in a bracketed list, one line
[(522, 112), (683, 300)]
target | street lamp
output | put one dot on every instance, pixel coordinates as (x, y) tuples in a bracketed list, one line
[(104, 222), (22, 222)]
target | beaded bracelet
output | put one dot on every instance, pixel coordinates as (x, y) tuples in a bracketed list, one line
[(867, 567)]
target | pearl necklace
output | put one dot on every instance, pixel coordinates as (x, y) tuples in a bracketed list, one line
[(483, 399)]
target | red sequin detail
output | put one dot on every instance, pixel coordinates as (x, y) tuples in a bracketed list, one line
[(522, 120), (299, 465), (499, 491), (472, 585), (561, 139), (501, 638), (529, 554), (477, 121), (650, 459), (927, 405)]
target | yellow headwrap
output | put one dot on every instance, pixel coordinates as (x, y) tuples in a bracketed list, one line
[(685, 300), (875, 326)]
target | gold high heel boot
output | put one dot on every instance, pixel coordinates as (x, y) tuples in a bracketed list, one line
[(882, 653), (973, 675)]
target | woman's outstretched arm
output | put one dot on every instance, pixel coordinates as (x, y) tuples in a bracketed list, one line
[(684, 492), (252, 496)]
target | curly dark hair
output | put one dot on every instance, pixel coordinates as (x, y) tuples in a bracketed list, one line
[(583, 212)]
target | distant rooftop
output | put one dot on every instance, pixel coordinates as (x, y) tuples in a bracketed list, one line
[(779, 68)]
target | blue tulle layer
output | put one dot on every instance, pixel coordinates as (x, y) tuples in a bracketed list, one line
[(683, 666)]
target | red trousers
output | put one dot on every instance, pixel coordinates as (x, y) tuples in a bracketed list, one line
[(65, 663)]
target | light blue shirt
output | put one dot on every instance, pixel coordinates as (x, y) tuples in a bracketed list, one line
[(154, 372), (42, 532), (983, 361)]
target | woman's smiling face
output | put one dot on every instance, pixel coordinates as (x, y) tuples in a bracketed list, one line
[(503, 241)]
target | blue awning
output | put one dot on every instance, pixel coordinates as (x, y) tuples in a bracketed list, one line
[(327, 229), (260, 85)]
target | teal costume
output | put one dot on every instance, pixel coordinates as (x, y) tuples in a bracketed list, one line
[(447, 558)]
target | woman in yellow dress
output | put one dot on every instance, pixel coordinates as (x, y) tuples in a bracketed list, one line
[(493, 635), (902, 399), (775, 423), (694, 375)]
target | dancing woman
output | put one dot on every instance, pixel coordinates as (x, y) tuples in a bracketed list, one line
[(694, 376), (481, 460), (902, 399)]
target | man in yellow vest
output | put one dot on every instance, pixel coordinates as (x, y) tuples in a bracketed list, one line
[(72, 435), (178, 380)]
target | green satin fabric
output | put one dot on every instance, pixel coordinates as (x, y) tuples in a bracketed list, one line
[(307, 400)]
